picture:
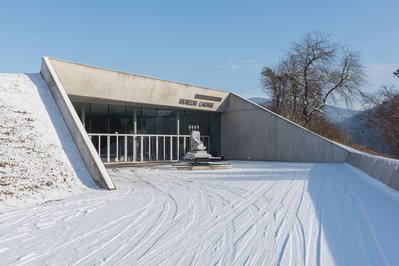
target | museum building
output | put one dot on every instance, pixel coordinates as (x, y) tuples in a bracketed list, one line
[(116, 117)]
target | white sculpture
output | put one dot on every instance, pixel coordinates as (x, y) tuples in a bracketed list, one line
[(197, 148), (196, 143)]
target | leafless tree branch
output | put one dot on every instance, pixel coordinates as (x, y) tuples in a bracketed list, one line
[(314, 72)]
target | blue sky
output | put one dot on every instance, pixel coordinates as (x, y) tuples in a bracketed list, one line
[(217, 44)]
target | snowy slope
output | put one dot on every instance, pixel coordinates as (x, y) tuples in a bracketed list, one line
[(38, 159), (258, 213)]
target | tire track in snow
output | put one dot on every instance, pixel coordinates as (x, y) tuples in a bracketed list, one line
[(211, 231), (148, 241), (248, 235), (112, 239), (265, 212), (282, 224), (41, 220), (241, 205), (84, 236), (220, 218), (43, 211)]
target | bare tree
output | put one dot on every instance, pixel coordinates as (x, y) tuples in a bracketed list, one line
[(283, 89), (383, 115), (271, 78), (315, 71)]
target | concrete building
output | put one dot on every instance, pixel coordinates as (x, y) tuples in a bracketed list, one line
[(119, 117)]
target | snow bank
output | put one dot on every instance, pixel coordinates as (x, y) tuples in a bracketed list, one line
[(38, 159)]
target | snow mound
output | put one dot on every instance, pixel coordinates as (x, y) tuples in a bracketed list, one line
[(38, 159)]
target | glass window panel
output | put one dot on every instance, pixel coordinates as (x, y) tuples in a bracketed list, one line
[(99, 118), (203, 122), (149, 121), (118, 119), (187, 118), (166, 121)]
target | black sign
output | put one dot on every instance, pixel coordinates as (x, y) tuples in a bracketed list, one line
[(189, 102), (207, 98)]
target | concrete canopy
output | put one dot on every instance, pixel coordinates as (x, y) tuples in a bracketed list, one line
[(82, 82)]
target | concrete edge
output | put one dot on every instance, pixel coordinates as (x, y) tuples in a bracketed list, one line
[(86, 149), (383, 169)]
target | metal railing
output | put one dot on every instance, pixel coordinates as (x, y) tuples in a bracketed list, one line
[(117, 148)]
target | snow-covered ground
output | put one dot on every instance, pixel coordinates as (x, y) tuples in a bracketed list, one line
[(38, 158), (258, 213)]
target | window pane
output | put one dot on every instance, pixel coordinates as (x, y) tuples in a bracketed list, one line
[(99, 118)]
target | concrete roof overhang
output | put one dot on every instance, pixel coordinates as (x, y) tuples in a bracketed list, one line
[(88, 83)]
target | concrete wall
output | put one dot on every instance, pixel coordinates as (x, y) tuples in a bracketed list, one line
[(85, 82), (384, 169), (78, 133), (251, 131)]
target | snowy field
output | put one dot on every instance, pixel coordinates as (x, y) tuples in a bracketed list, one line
[(38, 158), (258, 213)]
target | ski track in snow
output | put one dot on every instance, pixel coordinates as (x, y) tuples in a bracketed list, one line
[(254, 214)]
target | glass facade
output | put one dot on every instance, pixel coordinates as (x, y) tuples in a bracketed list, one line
[(111, 118)]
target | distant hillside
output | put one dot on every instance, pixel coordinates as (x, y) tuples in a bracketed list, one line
[(337, 114), (355, 128), (353, 125), (260, 100)]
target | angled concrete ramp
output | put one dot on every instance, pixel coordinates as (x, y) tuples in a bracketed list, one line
[(86, 149)]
